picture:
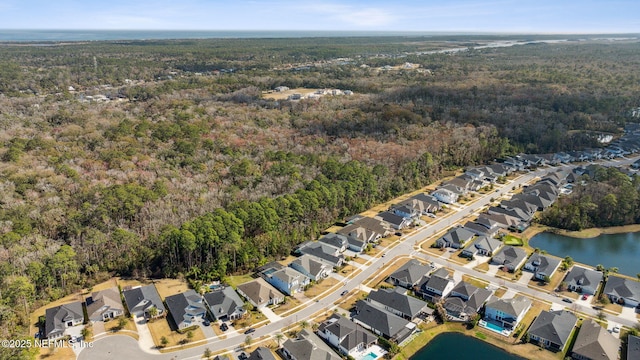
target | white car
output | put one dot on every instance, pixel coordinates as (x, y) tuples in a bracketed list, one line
[(616, 329)]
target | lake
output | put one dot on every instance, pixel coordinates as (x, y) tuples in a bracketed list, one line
[(619, 250), (461, 347)]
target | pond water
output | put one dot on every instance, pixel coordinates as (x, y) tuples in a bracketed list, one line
[(461, 347), (610, 250)]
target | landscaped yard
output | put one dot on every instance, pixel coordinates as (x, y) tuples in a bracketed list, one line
[(236, 280), (321, 287), (512, 240), (290, 303), (113, 324), (536, 308), (552, 285), (168, 287), (160, 328), (254, 318), (475, 282)]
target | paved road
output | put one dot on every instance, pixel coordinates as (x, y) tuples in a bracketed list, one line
[(404, 248)]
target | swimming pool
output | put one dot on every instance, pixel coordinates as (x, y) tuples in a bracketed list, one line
[(370, 356), (494, 327)]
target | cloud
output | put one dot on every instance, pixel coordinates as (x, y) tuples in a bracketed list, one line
[(352, 15)]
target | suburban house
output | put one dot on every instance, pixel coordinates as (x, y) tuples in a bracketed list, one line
[(186, 309), (517, 213), (462, 182), (345, 335), (437, 286), (510, 257), (453, 188), (359, 232), (502, 220), (595, 342), (551, 329), (324, 252), (507, 312), (259, 293), (622, 291), (455, 238), (288, 280), (225, 304), (465, 300), (396, 301), (104, 305), (583, 280), (542, 265), (307, 346), (396, 221), (261, 353), (336, 240), (483, 245), (61, 317), (482, 230), (372, 224), (423, 203), (382, 322), (356, 245), (409, 274), (633, 347), (445, 196), (540, 202), (406, 211), (141, 299), (314, 268)]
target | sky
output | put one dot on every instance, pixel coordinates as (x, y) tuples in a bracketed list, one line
[(520, 16)]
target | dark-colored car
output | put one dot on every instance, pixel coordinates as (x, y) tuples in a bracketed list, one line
[(250, 330), (344, 293), (206, 323), (224, 327), (567, 300), (243, 356)]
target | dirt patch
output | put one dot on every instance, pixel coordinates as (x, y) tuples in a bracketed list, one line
[(56, 353), (321, 287), (484, 267), (475, 282), (290, 304), (168, 287)]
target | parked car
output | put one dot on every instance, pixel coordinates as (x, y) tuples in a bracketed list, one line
[(344, 293), (243, 356), (398, 233), (206, 323), (431, 215), (224, 327), (616, 329), (585, 297), (567, 300), (250, 330)]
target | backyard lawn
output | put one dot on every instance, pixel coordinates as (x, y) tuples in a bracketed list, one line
[(512, 240)]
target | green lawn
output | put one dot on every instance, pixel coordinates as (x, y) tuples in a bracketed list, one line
[(512, 240)]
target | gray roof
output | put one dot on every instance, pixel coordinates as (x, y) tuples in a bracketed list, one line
[(510, 255), (398, 301), (622, 287), (324, 252), (56, 317), (411, 272), (361, 233), (308, 346), (391, 218), (335, 240), (104, 300), (372, 224), (555, 326), (224, 302), (185, 305), (487, 243), (545, 264), (382, 320), (633, 347), (458, 236), (579, 276), (135, 296), (595, 342), (288, 275), (312, 264), (438, 283), (478, 298), (262, 353), (503, 220), (345, 329), (512, 307), (465, 289), (259, 291)]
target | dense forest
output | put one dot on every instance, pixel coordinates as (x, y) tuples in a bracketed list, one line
[(189, 170), (608, 197)]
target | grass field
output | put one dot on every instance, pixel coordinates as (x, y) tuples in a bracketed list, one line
[(512, 240), (236, 280), (475, 282)]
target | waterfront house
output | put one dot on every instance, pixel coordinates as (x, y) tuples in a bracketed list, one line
[(481, 229), (583, 280), (510, 257), (140, 300), (225, 304), (382, 322), (288, 280), (345, 335), (307, 346), (104, 305), (186, 309), (409, 274), (551, 329), (507, 312), (594, 342), (483, 245), (259, 293), (314, 268), (437, 286), (59, 318), (465, 300), (396, 301), (542, 265), (622, 291)]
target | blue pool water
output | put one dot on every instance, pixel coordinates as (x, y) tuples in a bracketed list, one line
[(370, 356), (494, 327)]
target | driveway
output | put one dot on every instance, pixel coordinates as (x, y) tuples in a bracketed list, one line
[(493, 269), (144, 335), (119, 347), (208, 331), (98, 328), (270, 314), (525, 277), (628, 312)]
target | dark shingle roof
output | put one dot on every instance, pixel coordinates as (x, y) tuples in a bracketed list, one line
[(400, 302), (579, 276), (621, 287), (56, 317), (379, 319), (186, 303), (261, 353), (510, 255), (633, 347), (555, 326), (224, 302), (134, 296), (595, 342), (308, 346), (411, 272), (345, 329), (545, 264)]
